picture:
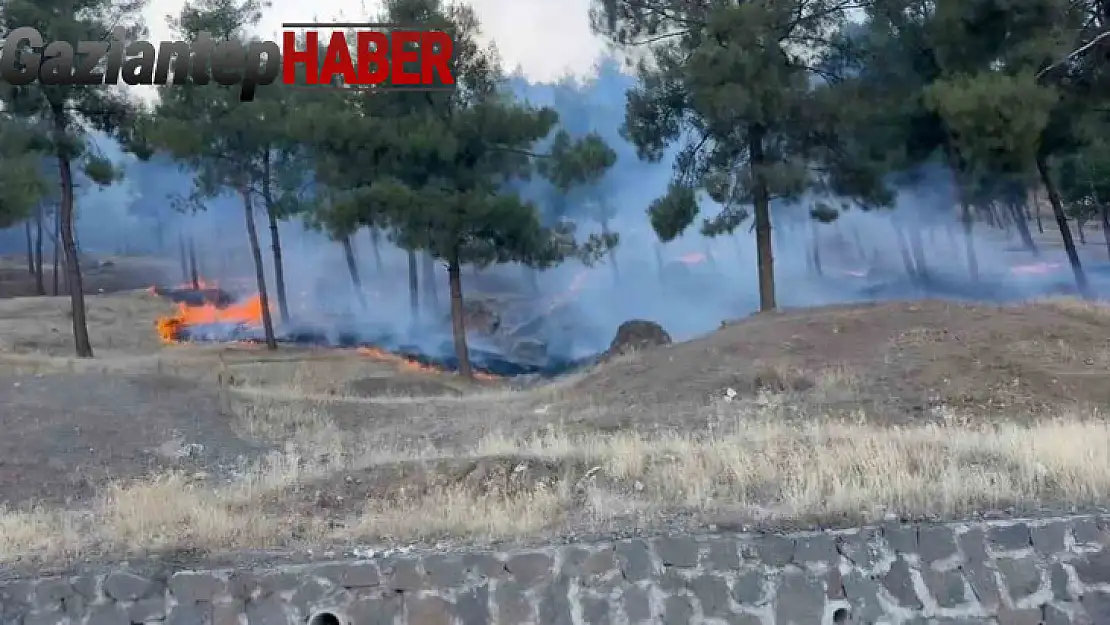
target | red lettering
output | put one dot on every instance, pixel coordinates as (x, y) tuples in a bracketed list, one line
[(403, 50), (436, 50), (373, 49), (338, 61), (291, 57)]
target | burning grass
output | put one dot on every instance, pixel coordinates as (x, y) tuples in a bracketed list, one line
[(748, 462)]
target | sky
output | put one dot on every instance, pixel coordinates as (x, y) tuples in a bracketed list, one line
[(546, 38)]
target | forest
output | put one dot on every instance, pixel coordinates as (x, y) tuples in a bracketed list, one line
[(810, 108)]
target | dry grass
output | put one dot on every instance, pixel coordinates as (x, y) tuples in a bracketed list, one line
[(787, 448), (747, 460)]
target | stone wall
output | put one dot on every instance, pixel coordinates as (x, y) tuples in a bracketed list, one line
[(1050, 571)]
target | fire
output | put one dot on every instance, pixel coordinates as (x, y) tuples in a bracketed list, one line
[(247, 312), (408, 364), (694, 258)]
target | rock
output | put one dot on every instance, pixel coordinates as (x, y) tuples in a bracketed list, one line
[(637, 334)]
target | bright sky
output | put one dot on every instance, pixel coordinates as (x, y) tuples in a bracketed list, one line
[(547, 38)]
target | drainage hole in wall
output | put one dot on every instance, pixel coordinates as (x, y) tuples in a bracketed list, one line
[(840, 617), (328, 618)]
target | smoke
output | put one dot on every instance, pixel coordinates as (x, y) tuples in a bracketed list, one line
[(689, 286)]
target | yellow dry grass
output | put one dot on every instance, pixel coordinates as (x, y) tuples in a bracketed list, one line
[(765, 458), (746, 461)]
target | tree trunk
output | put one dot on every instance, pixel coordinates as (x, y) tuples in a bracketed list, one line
[(183, 253), (904, 250), (1080, 231), (56, 274), (1062, 223), (279, 267), (859, 246), (352, 269), (764, 248), (917, 247), (40, 281), (659, 258), (1023, 228), (194, 272), (1104, 215), (414, 286), (375, 244), (612, 253), (259, 269), (815, 240), (458, 321), (30, 247), (431, 295), (275, 239), (1037, 209), (961, 190), (72, 261)]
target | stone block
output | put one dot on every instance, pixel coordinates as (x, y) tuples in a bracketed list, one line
[(773, 550), (637, 604), (983, 583), (362, 574), (677, 611), (444, 571), (936, 542), (472, 606), (818, 548), (127, 586), (1021, 576), (862, 548), (193, 587), (374, 610), (1060, 583), (973, 544), (800, 600), (900, 538), (749, 588), (108, 614), (712, 592), (595, 610), (512, 603), (677, 551), (1086, 531), (1009, 537), (722, 555), (946, 587), (198, 614), (530, 568), (635, 560), (428, 610), (1049, 539), (403, 575), (899, 583), (1094, 568), (554, 606)]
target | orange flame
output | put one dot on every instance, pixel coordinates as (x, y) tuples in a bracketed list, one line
[(407, 364), (247, 312)]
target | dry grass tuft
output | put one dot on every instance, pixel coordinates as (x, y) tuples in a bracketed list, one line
[(747, 460)]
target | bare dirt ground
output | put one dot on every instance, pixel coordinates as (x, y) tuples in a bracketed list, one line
[(815, 417)]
